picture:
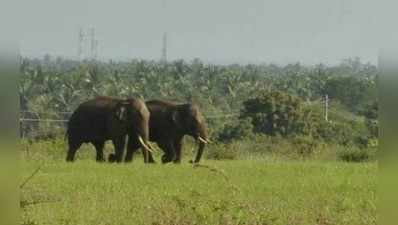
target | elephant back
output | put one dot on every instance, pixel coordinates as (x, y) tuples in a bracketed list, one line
[(89, 120)]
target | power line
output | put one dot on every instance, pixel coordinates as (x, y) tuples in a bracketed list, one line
[(211, 116), (41, 120), (223, 115), (216, 114), (33, 112)]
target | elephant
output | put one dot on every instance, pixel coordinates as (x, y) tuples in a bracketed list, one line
[(106, 118), (168, 124)]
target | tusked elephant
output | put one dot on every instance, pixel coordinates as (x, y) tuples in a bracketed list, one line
[(105, 118), (168, 124)]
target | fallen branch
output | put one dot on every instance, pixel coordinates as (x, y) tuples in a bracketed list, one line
[(213, 169), (220, 172), (30, 177), (24, 204)]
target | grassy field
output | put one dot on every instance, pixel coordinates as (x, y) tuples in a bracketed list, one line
[(222, 192)]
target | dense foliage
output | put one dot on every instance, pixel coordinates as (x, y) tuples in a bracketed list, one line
[(275, 113), (238, 100)]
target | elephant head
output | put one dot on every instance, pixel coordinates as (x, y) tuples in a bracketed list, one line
[(134, 115), (189, 120)]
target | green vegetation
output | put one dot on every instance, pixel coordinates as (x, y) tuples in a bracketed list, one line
[(264, 180), (224, 192), (50, 86), (239, 101), (274, 159)]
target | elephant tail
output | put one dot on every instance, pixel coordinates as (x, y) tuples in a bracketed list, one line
[(68, 126), (67, 133)]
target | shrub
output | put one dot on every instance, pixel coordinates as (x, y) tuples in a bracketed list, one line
[(260, 145), (274, 113), (305, 145), (223, 152), (341, 133), (241, 129), (371, 119), (355, 154)]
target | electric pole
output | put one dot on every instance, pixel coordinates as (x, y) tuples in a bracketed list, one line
[(93, 45), (164, 49), (163, 58), (87, 44), (326, 108), (80, 44)]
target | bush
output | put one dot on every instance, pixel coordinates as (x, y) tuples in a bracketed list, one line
[(241, 129), (355, 154), (265, 146), (223, 152), (371, 119), (305, 145), (54, 149), (274, 113)]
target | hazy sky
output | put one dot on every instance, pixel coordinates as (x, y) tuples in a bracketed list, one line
[(222, 31)]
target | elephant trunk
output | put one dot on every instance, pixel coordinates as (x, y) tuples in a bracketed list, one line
[(145, 144), (202, 139), (143, 137)]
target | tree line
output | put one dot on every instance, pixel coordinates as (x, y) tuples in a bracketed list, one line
[(238, 100)]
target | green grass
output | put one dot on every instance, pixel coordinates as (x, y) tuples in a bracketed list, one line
[(225, 192)]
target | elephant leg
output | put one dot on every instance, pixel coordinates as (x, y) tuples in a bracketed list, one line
[(99, 147), (148, 158), (168, 149), (132, 146), (119, 144), (151, 160), (177, 147), (73, 147)]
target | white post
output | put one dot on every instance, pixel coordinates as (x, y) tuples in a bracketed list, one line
[(326, 107)]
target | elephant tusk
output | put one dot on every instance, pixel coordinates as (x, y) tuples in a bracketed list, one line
[(144, 145), (202, 140), (151, 146)]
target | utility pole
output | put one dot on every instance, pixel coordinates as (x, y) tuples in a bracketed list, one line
[(87, 47), (164, 49), (93, 44), (163, 58), (326, 108), (80, 44)]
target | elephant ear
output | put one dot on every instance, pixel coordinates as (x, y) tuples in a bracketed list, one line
[(181, 116)]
